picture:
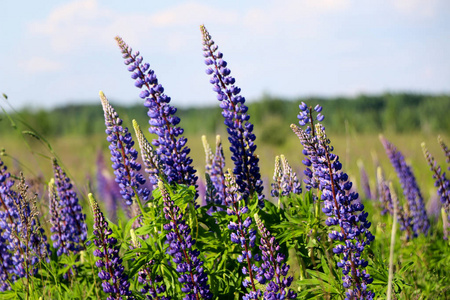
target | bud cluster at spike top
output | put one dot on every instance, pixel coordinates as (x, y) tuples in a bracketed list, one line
[(340, 204), (240, 130), (189, 266), (123, 155), (411, 191), (171, 146)]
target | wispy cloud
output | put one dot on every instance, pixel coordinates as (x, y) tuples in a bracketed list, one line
[(36, 65)]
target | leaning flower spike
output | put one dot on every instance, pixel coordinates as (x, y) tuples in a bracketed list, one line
[(344, 213), (410, 188), (189, 265), (172, 148), (442, 183), (72, 220), (273, 270), (115, 281), (239, 129), (124, 156), (445, 149)]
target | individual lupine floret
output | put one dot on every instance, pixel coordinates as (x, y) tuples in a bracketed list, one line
[(124, 156), (240, 130), (445, 149), (340, 205), (72, 219), (410, 188), (384, 194), (171, 146), (242, 234), (115, 281), (149, 156), (192, 274), (273, 270), (441, 181)]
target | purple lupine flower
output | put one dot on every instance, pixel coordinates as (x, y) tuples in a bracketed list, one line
[(22, 240), (445, 149), (124, 156), (410, 188), (240, 130), (115, 281), (273, 270), (171, 146), (289, 182), (108, 190), (60, 237), (189, 266), (365, 185), (214, 168), (277, 178), (344, 211), (242, 234), (72, 220), (385, 197), (441, 181), (149, 156)]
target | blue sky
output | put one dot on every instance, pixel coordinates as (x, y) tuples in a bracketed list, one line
[(59, 52)]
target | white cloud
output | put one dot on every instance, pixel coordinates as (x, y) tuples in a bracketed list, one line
[(417, 8), (40, 65)]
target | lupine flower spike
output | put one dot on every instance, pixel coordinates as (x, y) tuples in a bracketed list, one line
[(171, 146), (365, 184), (242, 234), (72, 220), (410, 188), (124, 156), (240, 130), (277, 178), (441, 181), (149, 157), (214, 169), (189, 265), (273, 270), (115, 281), (344, 211), (385, 197), (289, 182)]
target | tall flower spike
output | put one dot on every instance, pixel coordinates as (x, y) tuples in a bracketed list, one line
[(123, 155), (410, 188), (385, 198), (218, 171), (171, 146), (365, 185), (277, 178), (189, 265), (345, 213), (60, 237), (73, 220), (289, 183), (242, 234), (240, 130), (441, 181), (149, 156), (273, 270), (115, 281)]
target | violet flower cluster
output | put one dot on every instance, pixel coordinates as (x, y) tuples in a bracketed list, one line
[(68, 221), (192, 274), (214, 168), (365, 184), (411, 190), (171, 146), (273, 270), (240, 130), (445, 149), (385, 197), (115, 281), (441, 181), (153, 287), (124, 156), (340, 204), (285, 179), (243, 235)]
